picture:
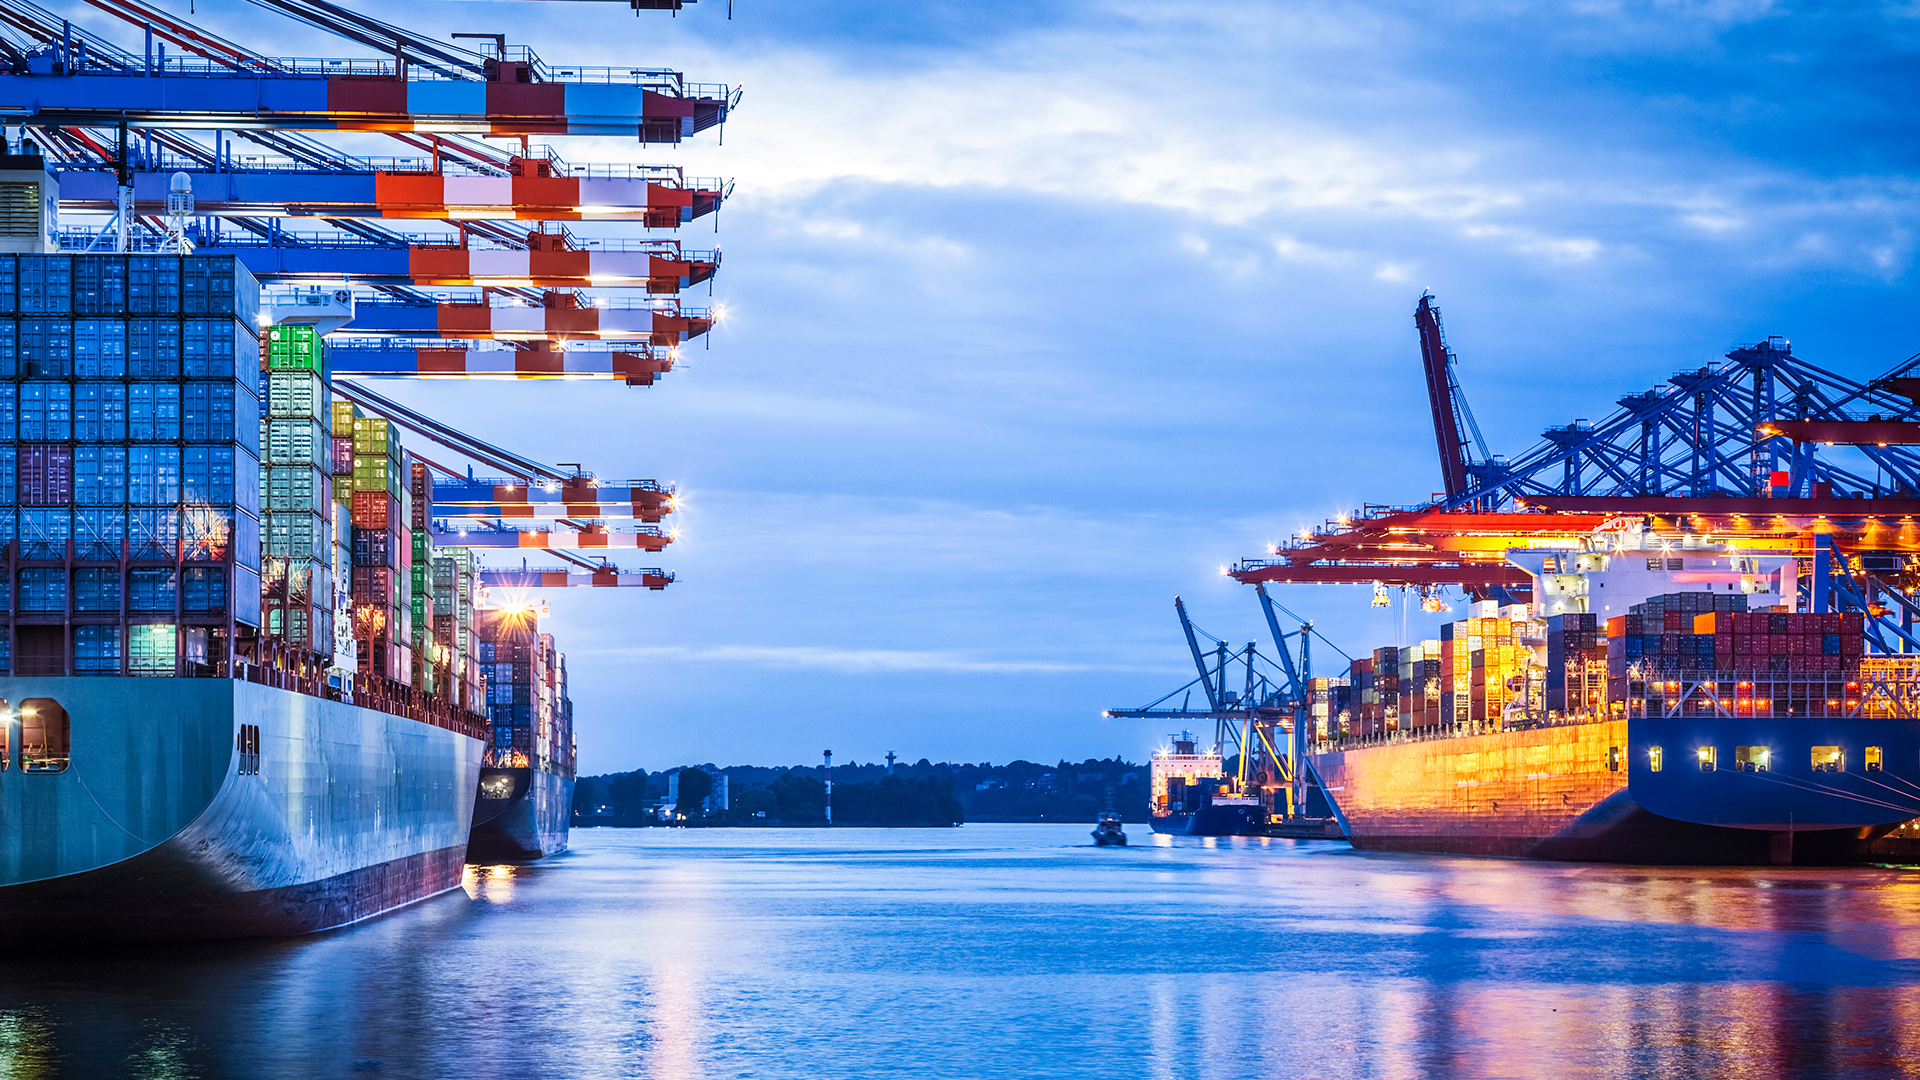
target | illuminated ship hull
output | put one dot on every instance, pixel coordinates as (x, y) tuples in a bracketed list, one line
[(520, 815), (1589, 792), (175, 821)]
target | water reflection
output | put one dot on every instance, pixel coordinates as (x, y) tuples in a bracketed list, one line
[(1021, 950), (493, 884)]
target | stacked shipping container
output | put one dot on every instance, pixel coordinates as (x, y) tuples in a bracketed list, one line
[(429, 663), (1772, 662), (452, 589), (382, 552), (130, 407), (296, 493), (529, 708)]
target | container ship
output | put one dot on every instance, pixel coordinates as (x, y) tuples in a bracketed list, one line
[(1695, 639), (1694, 727), (215, 723), (246, 685), (525, 803)]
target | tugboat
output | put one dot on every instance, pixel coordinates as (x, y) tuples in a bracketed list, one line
[(1107, 831)]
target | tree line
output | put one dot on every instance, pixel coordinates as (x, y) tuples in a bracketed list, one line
[(920, 794)]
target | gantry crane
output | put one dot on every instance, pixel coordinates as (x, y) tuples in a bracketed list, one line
[(432, 97), (60, 76), (1253, 721), (1764, 450)]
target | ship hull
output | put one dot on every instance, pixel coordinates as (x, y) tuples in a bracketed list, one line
[(1171, 824), (1587, 792), (160, 829), (529, 822)]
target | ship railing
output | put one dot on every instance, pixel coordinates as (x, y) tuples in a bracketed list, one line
[(306, 673), (1875, 687), (1457, 730)]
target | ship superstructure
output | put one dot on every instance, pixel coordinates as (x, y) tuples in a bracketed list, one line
[(1184, 779)]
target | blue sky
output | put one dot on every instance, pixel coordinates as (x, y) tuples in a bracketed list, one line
[(1039, 314)]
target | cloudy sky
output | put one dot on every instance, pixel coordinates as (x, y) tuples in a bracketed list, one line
[(1041, 313)]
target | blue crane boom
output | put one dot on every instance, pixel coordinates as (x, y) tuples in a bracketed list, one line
[(60, 78)]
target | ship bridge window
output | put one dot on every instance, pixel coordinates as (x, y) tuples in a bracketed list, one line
[(1656, 758), (1871, 759), (44, 736), (1829, 759), (497, 787), (1751, 758), (1613, 759), (1706, 756)]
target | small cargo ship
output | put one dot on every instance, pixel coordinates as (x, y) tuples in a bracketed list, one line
[(1191, 794)]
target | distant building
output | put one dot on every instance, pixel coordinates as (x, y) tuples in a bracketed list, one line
[(716, 802)]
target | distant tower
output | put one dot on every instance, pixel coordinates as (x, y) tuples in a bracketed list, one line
[(889, 763), (829, 756)]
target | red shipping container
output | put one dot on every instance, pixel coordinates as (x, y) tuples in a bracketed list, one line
[(1853, 645), (375, 585), (45, 474), (1673, 621), (1798, 645), (1723, 644), (1743, 645), (375, 510)]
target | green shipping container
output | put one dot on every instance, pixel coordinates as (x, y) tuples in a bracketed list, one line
[(293, 487), (377, 474), (295, 348), (295, 535), (376, 435), (301, 394), (294, 442)]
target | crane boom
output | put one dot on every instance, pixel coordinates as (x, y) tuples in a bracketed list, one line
[(1443, 393), (1199, 660)]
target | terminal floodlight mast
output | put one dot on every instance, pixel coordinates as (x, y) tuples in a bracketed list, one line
[(179, 209)]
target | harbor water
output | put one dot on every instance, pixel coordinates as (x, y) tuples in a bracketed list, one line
[(1020, 951)]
